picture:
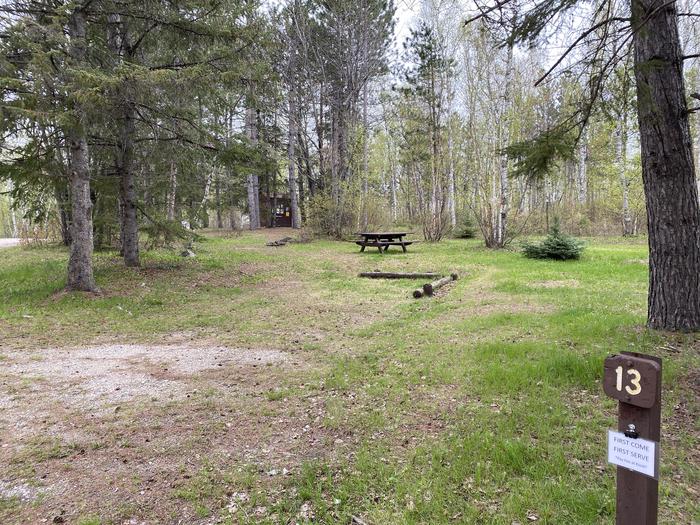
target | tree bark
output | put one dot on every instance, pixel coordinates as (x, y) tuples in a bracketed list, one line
[(253, 220), (451, 204), (394, 201), (253, 180), (172, 192), (127, 188), (504, 198), (627, 225), (291, 159), (80, 274), (118, 43), (365, 160), (292, 133), (582, 175), (217, 189), (668, 171), (429, 288)]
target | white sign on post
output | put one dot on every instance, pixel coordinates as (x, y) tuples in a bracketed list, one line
[(639, 455)]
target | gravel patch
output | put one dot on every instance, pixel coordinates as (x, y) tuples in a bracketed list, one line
[(22, 491), (108, 374)]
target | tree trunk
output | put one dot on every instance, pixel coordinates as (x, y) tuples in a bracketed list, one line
[(451, 204), (697, 118), (291, 159), (336, 139), (172, 192), (627, 225), (320, 127), (80, 275), (365, 160), (253, 221), (504, 197), (582, 175), (13, 216), (668, 172), (394, 201), (292, 134), (127, 189), (217, 189), (253, 180), (118, 43)]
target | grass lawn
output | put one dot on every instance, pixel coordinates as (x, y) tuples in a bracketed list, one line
[(329, 396)]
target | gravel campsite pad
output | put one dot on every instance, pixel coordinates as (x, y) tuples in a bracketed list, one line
[(96, 377), (140, 419)]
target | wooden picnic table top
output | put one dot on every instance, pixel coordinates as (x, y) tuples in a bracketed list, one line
[(383, 240), (383, 234)]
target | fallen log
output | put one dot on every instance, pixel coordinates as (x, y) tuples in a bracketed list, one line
[(429, 288), (418, 293), (397, 275), (280, 242)]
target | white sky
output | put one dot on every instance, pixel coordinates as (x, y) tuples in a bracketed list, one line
[(405, 11)]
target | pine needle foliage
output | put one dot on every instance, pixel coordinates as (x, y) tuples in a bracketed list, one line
[(556, 245)]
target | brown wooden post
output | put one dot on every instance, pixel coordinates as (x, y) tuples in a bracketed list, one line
[(635, 380)]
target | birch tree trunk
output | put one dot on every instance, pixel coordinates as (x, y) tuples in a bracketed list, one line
[(394, 203), (621, 154), (253, 180), (365, 161), (172, 192), (291, 159), (293, 133), (451, 204), (80, 274), (254, 220), (582, 175), (668, 172), (13, 216), (217, 190), (205, 197), (504, 200)]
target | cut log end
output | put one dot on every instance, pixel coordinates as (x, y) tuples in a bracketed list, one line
[(417, 294), (429, 288)]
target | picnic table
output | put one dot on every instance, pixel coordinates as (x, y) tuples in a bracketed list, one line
[(383, 240)]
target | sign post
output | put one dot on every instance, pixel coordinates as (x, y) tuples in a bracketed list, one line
[(635, 381)]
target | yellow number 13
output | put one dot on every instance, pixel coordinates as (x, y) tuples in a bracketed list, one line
[(636, 377)]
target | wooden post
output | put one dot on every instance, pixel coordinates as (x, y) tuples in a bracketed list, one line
[(635, 381)]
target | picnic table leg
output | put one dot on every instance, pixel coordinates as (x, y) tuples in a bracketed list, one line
[(403, 246), (362, 249)]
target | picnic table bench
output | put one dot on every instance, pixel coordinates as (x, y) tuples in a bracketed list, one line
[(382, 240)]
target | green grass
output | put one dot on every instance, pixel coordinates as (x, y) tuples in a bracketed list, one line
[(482, 405)]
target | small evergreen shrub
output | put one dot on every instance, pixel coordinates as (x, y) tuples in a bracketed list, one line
[(466, 229), (555, 246)]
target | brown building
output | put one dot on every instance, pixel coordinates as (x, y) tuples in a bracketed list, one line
[(281, 204)]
